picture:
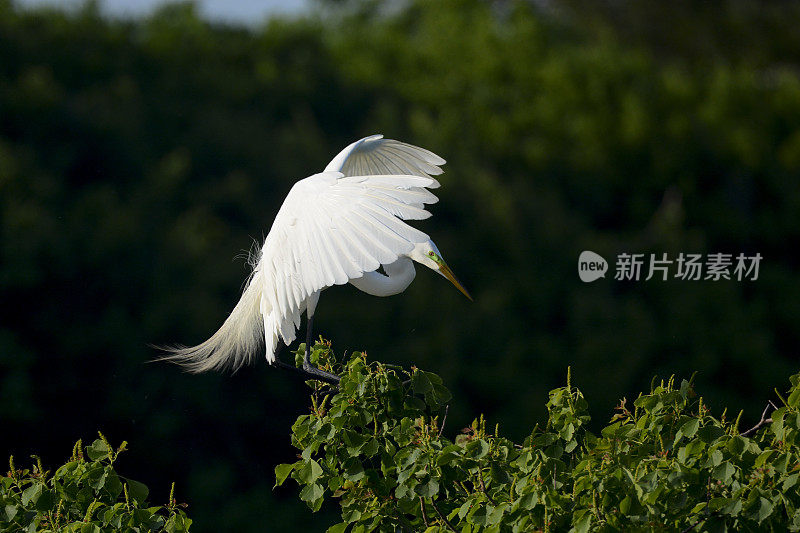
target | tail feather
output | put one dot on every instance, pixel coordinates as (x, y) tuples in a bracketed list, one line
[(234, 344)]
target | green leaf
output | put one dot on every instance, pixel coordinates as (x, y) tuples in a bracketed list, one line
[(31, 494), (794, 398), (689, 428), (498, 474), (555, 451), (729, 506), (353, 469), (698, 508), (98, 450), (137, 491), (420, 382), (438, 395), (443, 394), (529, 500), (97, 478), (309, 472), (351, 514), (335, 483), (449, 455), (494, 517), (282, 472), (724, 472), (790, 482), (429, 489), (714, 458), (464, 509), (781, 463), (777, 422), (477, 448), (736, 445), (311, 493), (718, 503), (479, 514), (764, 509), (761, 459), (567, 432), (46, 500), (709, 434), (353, 441), (10, 511), (370, 448), (415, 404), (407, 456), (337, 528), (625, 505), (582, 521)]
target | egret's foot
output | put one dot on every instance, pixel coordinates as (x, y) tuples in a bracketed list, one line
[(310, 372), (321, 375), (310, 369)]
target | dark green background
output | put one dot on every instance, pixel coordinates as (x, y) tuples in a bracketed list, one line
[(139, 159)]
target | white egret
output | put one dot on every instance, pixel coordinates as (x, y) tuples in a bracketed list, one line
[(334, 227)]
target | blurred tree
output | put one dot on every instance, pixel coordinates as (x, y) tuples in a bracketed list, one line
[(138, 158)]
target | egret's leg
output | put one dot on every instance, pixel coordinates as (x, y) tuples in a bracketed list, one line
[(310, 372), (307, 366), (309, 335)]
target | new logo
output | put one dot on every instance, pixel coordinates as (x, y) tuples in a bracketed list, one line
[(591, 266)]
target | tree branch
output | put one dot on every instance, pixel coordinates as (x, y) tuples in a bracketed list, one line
[(764, 420), (442, 518), (444, 420), (483, 487), (424, 514)]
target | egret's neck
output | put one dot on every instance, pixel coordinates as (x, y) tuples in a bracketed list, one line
[(400, 274)]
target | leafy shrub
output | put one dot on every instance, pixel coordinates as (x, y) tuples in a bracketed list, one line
[(84, 495), (663, 464)]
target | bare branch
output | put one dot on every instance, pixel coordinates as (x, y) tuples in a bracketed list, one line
[(424, 514), (764, 420), (442, 518), (483, 488), (444, 420)]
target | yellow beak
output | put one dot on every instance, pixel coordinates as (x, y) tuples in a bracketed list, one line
[(445, 271)]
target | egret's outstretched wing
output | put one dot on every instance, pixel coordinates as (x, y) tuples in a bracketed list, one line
[(376, 155), (330, 229)]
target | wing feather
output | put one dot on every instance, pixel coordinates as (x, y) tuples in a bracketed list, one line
[(403, 231), (375, 247), (376, 155), (400, 209), (331, 229)]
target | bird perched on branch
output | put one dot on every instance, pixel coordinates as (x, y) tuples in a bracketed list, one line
[(335, 227)]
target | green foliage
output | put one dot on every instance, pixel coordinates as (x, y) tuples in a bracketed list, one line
[(663, 464), (139, 156), (84, 495)]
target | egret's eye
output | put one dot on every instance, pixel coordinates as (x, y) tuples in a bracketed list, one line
[(436, 259)]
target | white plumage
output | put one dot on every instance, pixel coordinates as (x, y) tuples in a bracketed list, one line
[(334, 227)]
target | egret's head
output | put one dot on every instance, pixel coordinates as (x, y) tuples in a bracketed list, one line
[(428, 254)]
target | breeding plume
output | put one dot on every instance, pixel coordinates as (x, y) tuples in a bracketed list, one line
[(335, 227)]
